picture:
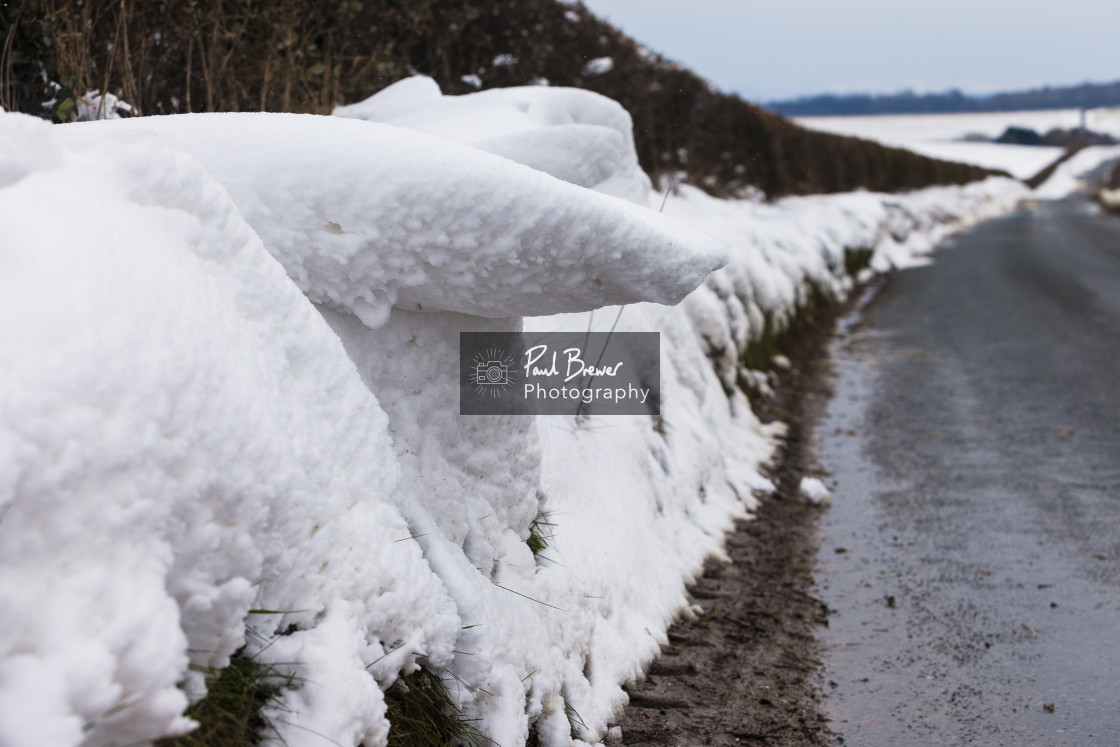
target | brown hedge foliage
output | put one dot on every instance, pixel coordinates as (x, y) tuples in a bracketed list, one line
[(166, 56)]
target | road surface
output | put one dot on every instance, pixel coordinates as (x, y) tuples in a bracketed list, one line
[(972, 552)]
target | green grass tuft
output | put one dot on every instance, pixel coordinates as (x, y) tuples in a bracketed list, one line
[(230, 713), (573, 719), (421, 711), (540, 532), (422, 714), (856, 260)]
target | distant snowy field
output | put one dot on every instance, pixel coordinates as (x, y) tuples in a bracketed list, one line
[(228, 406), (943, 135)]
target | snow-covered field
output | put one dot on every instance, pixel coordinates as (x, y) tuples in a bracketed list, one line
[(228, 406), (944, 135), (1068, 177)]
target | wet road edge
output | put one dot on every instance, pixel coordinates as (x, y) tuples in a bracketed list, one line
[(749, 669)]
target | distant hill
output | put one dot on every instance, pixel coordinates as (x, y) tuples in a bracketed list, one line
[(291, 55), (1084, 96)]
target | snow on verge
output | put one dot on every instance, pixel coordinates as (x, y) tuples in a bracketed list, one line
[(185, 440)]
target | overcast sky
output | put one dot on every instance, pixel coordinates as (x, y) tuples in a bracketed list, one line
[(772, 49)]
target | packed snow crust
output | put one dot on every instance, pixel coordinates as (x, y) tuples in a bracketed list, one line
[(815, 490), (196, 456)]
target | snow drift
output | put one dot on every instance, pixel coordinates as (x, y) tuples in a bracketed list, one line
[(418, 222), (196, 456), (575, 135)]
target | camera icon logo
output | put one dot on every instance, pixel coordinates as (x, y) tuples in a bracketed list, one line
[(492, 375)]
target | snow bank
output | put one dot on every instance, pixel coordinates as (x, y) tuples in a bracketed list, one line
[(219, 541), (183, 441), (187, 442), (782, 253)]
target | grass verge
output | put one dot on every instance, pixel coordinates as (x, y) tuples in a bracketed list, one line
[(776, 337), (230, 713), (420, 709), (422, 714)]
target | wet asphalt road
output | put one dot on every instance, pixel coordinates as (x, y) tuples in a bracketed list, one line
[(972, 552)]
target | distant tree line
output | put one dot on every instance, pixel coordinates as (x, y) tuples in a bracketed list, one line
[(1084, 96), (1055, 138), (167, 56)]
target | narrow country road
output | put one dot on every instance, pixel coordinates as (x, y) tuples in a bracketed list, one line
[(972, 552)]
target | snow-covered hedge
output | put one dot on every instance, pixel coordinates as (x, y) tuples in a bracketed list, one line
[(228, 406)]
